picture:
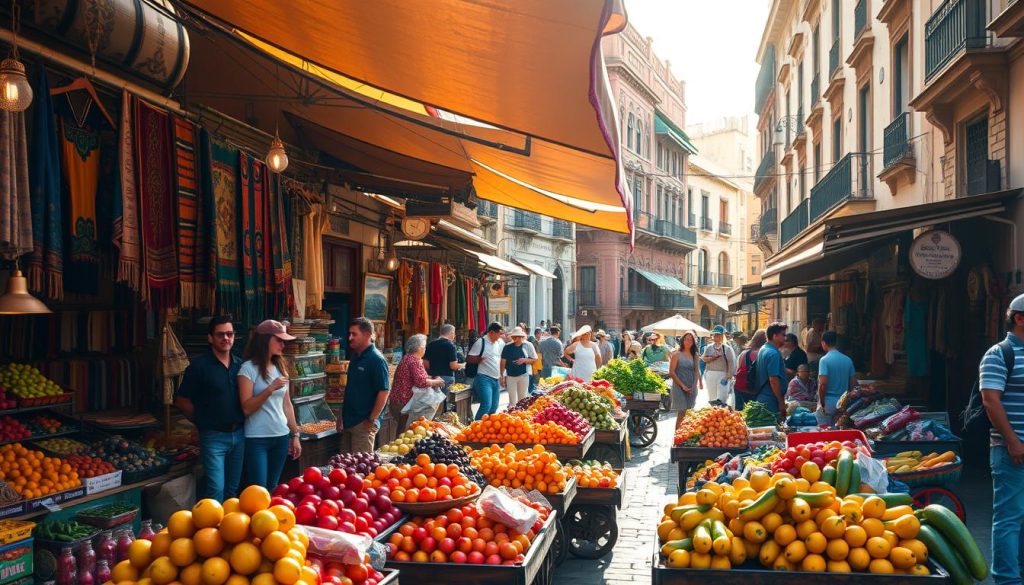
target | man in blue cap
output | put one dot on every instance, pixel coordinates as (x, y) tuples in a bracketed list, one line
[(719, 367)]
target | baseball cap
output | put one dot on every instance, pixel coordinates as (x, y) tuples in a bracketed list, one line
[(275, 328), (718, 330), (1017, 304)]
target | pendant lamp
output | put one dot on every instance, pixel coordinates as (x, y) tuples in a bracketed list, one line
[(15, 90), (277, 158), (17, 300)]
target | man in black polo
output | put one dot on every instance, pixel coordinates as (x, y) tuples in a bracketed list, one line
[(366, 391), (208, 396), (442, 357)]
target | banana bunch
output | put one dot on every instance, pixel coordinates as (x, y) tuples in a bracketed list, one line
[(908, 461)]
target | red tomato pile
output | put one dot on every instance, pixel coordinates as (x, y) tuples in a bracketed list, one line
[(88, 466), (821, 453)]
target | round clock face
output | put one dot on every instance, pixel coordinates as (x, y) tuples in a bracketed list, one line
[(415, 228)]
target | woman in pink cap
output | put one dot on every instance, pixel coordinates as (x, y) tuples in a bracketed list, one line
[(271, 433)]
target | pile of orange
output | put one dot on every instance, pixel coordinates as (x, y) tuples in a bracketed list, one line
[(512, 428), (32, 474), (423, 482), (245, 541), (531, 469), (712, 427), (594, 476)]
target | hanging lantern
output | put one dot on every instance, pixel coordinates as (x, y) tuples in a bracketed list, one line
[(392, 262), (277, 158), (17, 300), (15, 90)]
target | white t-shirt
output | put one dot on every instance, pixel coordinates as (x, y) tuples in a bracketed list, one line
[(491, 364), (269, 420)]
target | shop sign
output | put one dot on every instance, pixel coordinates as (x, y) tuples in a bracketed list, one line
[(499, 305), (935, 254)]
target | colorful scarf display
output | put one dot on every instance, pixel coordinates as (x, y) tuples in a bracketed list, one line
[(252, 209), (156, 196), (46, 263), (126, 211), (282, 260), (192, 258), (222, 205), (15, 201)]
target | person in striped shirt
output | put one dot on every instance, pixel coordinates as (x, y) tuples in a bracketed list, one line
[(1002, 392)]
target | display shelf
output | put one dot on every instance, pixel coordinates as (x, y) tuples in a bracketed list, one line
[(40, 437), (310, 398)]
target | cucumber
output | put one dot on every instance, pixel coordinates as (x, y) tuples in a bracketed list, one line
[(684, 544), (941, 551), (816, 499), (951, 527), (828, 475), (765, 504), (891, 500), (854, 477), (844, 469)]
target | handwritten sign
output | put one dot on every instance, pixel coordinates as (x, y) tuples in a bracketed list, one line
[(935, 254)]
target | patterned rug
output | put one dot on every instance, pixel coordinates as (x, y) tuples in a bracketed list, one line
[(156, 197)]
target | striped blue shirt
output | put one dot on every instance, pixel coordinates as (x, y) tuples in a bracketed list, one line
[(993, 376)]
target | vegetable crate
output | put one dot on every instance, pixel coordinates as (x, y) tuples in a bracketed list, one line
[(591, 524), (16, 561)]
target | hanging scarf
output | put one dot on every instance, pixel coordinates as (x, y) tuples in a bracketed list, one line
[(314, 224), (156, 195), (126, 212), (222, 187), (15, 201), (282, 261), (251, 208), (46, 263), (192, 258)]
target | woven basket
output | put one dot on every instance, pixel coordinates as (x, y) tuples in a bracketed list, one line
[(434, 508), (942, 476)]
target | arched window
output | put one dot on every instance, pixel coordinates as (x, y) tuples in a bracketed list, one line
[(629, 131), (702, 267), (639, 138), (723, 263)]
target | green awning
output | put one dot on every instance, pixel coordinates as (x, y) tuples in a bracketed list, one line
[(663, 125), (663, 281)]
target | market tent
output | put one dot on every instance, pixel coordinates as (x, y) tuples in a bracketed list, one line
[(495, 264), (720, 301), (663, 281), (675, 326), (536, 269)]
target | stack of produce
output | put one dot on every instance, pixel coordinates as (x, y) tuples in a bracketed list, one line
[(403, 443), (592, 474), (595, 408), (631, 377), (712, 427), (62, 445), (87, 466), (424, 481), (125, 455), (338, 501), (32, 474), (823, 454), (504, 427), (63, 531), (247, 537), (362, 463), (909, 461), (534, 468), (7, 401), (435, 427), (441, 450), (11, 429), (564, 417), (41, 424), (524, 404), (25, 382), (756, 414), (450, 418), (336, 573), (464, 535)]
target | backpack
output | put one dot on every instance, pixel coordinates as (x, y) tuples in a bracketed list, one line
[(473, 367), (746, 373), (975, 417)]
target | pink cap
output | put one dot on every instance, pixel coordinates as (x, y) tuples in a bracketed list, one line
[(275, 328)]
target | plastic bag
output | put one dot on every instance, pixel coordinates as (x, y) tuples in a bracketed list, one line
[(423, 398), (498, 506), (876, 412), (337, 546), (925, 430), (893, 423), (873, 473)]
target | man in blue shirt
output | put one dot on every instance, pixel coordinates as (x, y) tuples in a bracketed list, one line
[(836, 375), (366, 392), (1002, 392), (771, 370)]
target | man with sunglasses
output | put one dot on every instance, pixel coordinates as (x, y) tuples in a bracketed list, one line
[(208, 396)]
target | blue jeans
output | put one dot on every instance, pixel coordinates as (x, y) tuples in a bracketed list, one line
[(533, 384), (488, 392), (264, 459), (448, 381), (1007, 517), (741, 399), (767, 398), (222, 455)]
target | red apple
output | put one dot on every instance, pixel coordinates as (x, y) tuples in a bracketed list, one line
[(447, 546), (476, 558), (327, 508), (419, 534), (494, 560), (312, 475), (327, 522), (337, 476), (305, 514), (294, 483), (428, 544), (457, 557)]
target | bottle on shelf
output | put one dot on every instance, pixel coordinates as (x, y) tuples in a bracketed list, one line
[(146, 530), (86, 560), (124, 542), (102, 571), (106, 548), (67, 568)]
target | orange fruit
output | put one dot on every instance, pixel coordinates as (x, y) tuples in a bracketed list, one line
[(238, 580), (191, 575), (215, 571), (246, 558), (163, 571), (287, 571), (235, 527), (138, 553), (264, 579), (183, 552), (263, 523), (161, 545), (207, 513), (231, 505), (276, 545), (180, 525), (124, 571), (253, 499), (309, 575), (208, 542), (285, 517), (301, 536)]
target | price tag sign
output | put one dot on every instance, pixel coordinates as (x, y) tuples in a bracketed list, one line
[(935, 254), (50, 505)]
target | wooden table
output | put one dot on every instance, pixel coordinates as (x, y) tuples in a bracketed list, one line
[(688, 458), (610, 443), (461, 403)]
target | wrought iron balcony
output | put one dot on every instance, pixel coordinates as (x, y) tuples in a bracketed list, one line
[(586, 298), (666, 228), (860, 17), (725, 280), (794, 223), (769, 222), (643, 220), (561, 229), (487, 209), (673, 300), (765, 79), (637, 298), (897, 141), (692, 220), (815, 89), (526, 220), (849, 179), (955, 25), (766, 170), (833, 58), (706, 224), (724, 228), (755, 230)]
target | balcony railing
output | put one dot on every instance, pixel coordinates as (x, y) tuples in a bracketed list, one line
[(561, 229), (706, 224), (714, 279), (725, 280), (487, 209), (692, 220), (794, 223), (768, 222), (586, 298), (833, 58), (897, 141), (765, 170), (666, 228), (955, 25), (815, 89), (526, 220), (849, 179), (724, 228), (765, 79), (800, 120), (637, 298), (643, 220), (860, 17), (673, 300)]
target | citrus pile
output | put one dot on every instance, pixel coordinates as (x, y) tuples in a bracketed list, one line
[(534, 468), (504, 427), (88, 466), (594, 476), (712, 427), (424, 481), (32, 474), (244, 541)]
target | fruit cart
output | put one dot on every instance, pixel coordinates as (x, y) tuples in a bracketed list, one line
[(688, 458), (536, 569), (564, 452), (642, 421), (931, 486), (591, 524), (560, 504), (610, 445)]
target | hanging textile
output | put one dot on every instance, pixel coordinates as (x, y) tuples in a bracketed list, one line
[(156, 198), (252, 209), (46, 263), (193, 271), (404, 277), (78, 137), (126, 213), (313, 226), (481, 304), (173, 362), (221, 205), (15, 200), (436, 293), (282, 260)]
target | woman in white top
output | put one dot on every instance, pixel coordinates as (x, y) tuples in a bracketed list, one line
[(271, 433), (585, 354)]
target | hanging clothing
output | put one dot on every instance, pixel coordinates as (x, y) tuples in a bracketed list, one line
[(252, 208), (436, 292), (404, 277), (126, 212), (46, 263), (221, 206), (281, 261), (16, 201), (156, 195), (915, 316), (192, 258), (78, 135), (313, 226)]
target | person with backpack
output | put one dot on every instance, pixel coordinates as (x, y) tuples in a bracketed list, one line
[(1002, 393), (719, 367), (771, 371), (746, 370), (484, 366)]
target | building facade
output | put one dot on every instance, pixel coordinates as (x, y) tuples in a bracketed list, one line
[(619, 287)]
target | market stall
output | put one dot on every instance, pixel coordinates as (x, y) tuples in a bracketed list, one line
[(591, 522)]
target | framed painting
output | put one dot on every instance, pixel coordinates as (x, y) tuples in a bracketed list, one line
[(376, 292)]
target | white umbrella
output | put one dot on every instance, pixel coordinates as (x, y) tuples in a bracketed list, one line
[(676, 326)]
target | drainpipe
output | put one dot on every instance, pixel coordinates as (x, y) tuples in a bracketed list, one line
[(1016, 244)]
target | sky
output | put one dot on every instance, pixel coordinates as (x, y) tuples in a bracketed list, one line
[(712, 45)]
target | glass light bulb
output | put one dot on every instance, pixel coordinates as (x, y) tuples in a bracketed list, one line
[(392, 264), (15, 90), (277, 159)]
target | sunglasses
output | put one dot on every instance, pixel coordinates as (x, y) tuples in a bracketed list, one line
[(224, 334)]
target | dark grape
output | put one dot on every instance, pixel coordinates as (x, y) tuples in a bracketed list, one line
[(362, 463), (442, 450)]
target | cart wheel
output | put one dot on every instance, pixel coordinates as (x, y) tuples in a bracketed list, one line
[(560, 546), (593, 530), (605, 453), (643, 429), (942, 497)]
